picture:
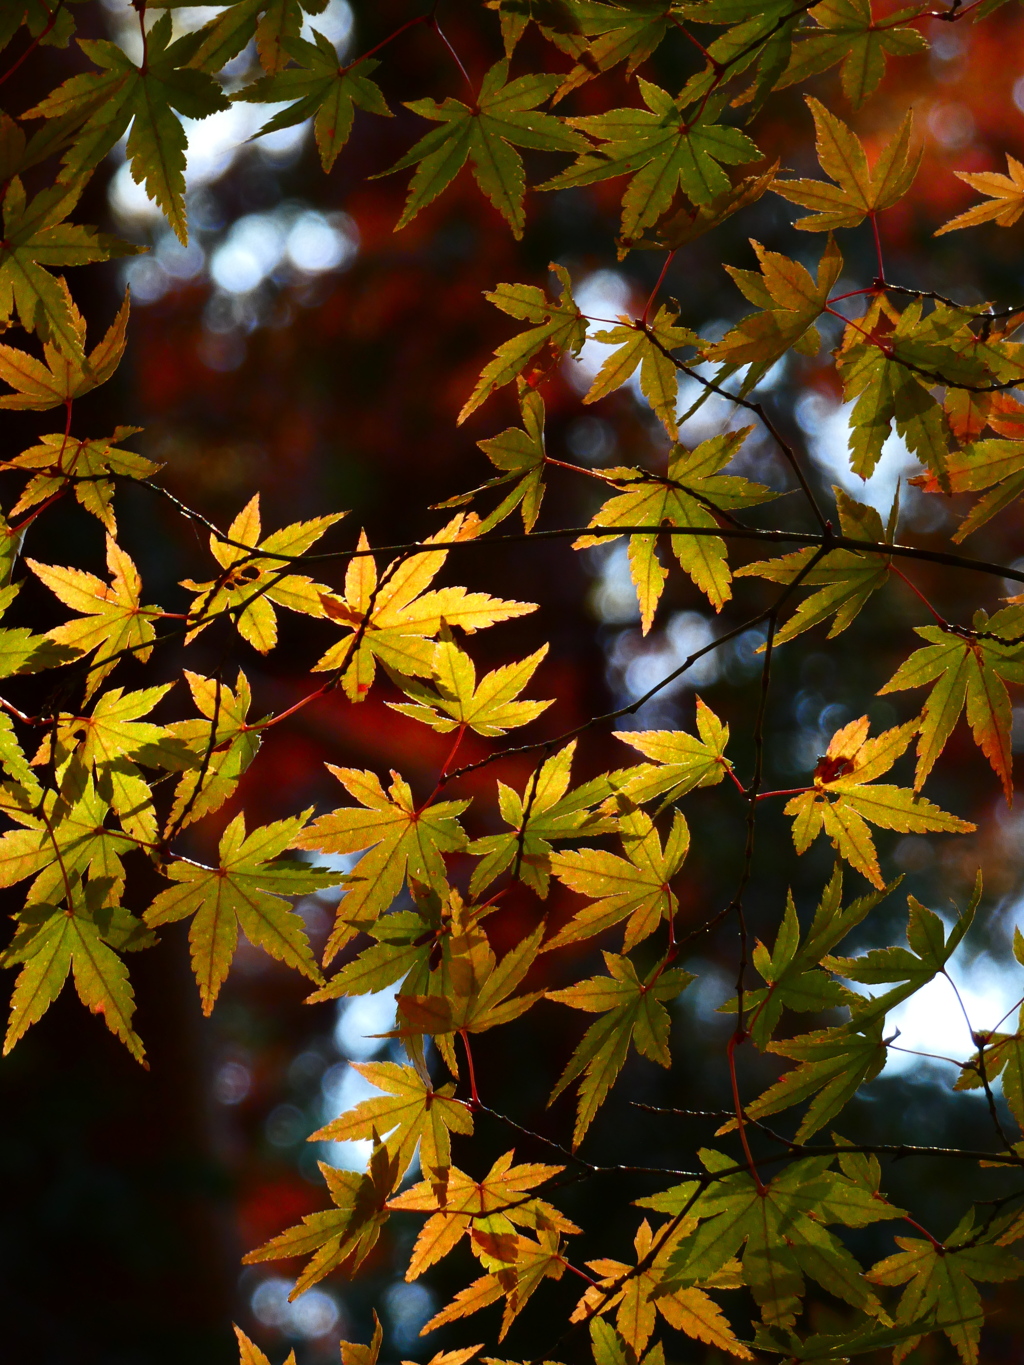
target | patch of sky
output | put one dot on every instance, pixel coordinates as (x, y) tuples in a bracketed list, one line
[(827, 427)]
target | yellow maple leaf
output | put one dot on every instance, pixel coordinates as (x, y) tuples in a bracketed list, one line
[(1006, 202)]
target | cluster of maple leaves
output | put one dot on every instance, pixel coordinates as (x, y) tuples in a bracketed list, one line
[(92, 787)]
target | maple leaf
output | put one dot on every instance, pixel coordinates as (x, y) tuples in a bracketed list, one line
[(646, 345), (940, 1282), (678, 229), (833, 1064), (246, 891), (219, 745), (52, 941), (843, 579), (692, 493), (822, 1347), (781, 1228), (632, 1012), (930, 948), (858, 191), (791, 301), (639, 1297), (636, 886), (61, 459), (410, 1111), (617, 33), (558, 20), (63, 837), (106, 743), (394, 618), (21, 650), (841, 803), (473, 992), (995, 465), (36, 236), (966, 671), (662, 150), (111, 620), (558, 325), (400, 839), (63, 377), (250, 1354), (251, 582), (520, 452), (847, 31), (459, 702), (487, 1211), (504, 116), (795, 978), (681, 761), (527, 1263), (343, 1236), (1006, 197), (318, 87), (145, 97), (889, 363), (546, 811)]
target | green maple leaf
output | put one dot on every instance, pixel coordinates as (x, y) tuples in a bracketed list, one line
[(399, 837), (275, 24), (245, 891), (858, 191), (344, 1235), (762, 39), (618, 33), (251, 582), (558, 20), (503, 117), (941, 1283), (149, 99), (972, 673), (52, 943), (662, 152), (632, 1012), (86, 464), (822, 1347), (929, 951), (520, 453), (847, 31), (410, 1111), (845, 797), (112, 620), (318, 88), (781, 1230), (636, 886), (37, 237), (690, 493), (842, 581), (458, 702), (545, 812), (21, 650), (62, 377), (880, 362), (47, 24), (795, 978), (215, 748), (681, 761), (791, 301), (394, 618), (646, 345), (558, 326)]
